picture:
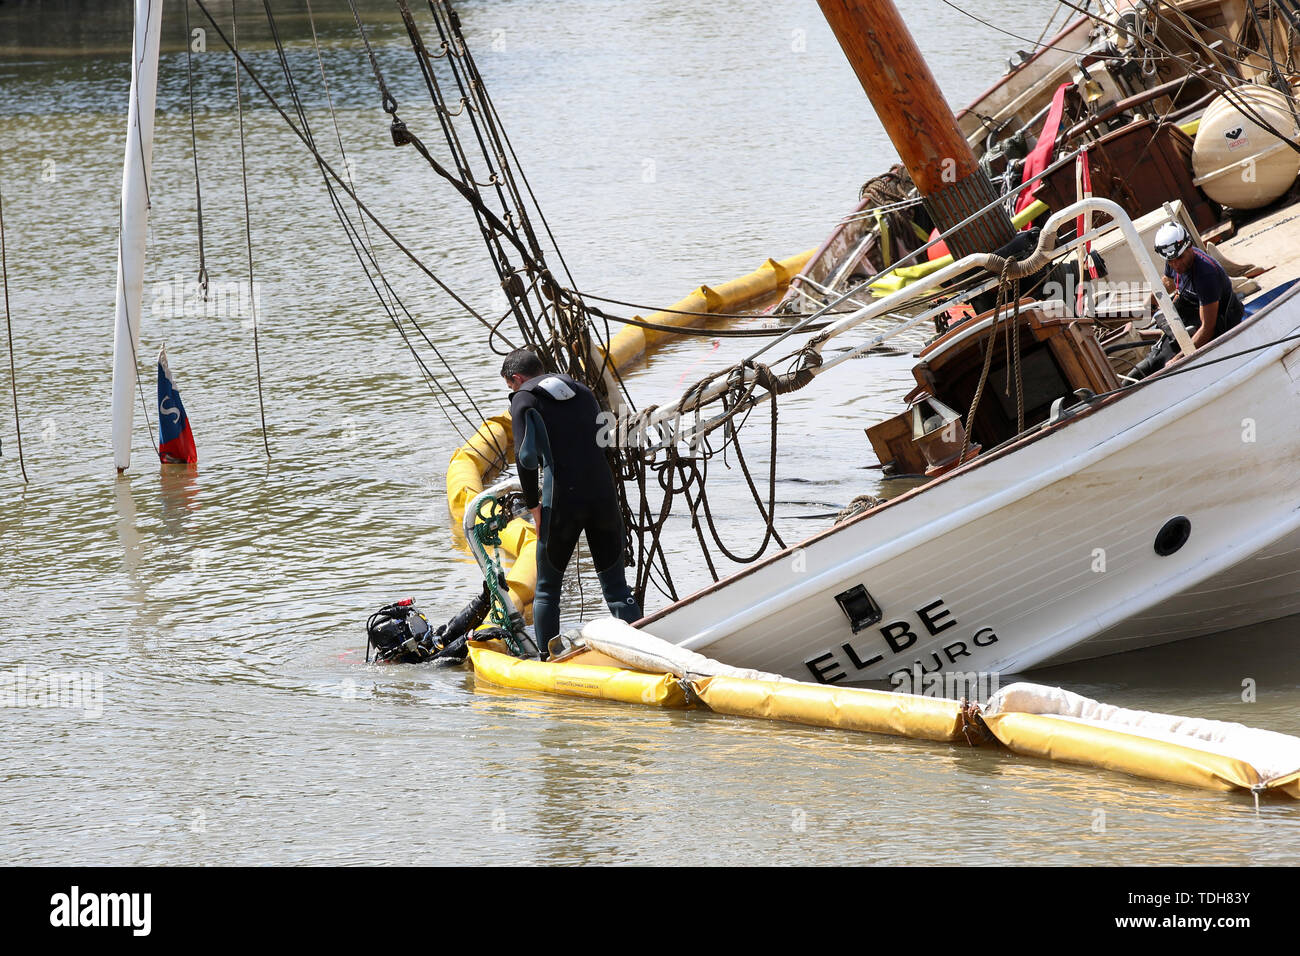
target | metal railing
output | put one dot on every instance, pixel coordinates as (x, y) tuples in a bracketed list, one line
[(695, 399)]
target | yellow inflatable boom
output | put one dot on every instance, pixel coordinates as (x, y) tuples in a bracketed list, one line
[(1071, 741), (632, 343), (1211, 755), (848, 708), (576, 680)]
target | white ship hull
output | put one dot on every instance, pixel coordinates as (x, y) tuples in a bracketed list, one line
[(1044, 552)]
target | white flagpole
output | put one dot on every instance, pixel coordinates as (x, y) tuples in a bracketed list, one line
[(134, 223)]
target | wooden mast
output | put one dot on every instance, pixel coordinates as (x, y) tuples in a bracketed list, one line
[(919, 121)]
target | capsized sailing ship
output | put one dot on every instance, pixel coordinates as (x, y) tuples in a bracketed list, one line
[(1067, 509)]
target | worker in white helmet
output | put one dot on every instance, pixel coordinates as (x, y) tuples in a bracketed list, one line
[(1202, 293)]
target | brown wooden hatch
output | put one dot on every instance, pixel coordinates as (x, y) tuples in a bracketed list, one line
[(1141, 166), (1059, 355)]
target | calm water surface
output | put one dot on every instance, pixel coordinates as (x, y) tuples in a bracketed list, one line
[(670, 144)]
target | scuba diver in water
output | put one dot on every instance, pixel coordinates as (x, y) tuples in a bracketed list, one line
[(555, 422)]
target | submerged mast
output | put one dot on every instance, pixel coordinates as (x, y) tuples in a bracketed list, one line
[(134, 223), (919, 122)]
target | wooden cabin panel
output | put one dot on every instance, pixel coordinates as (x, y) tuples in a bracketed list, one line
[(1058, 356), (924, 380), (1077, 350), (892, 441), (1139, 167), (1216, 19), (1072, 366), (956, 380), (1097, 371)]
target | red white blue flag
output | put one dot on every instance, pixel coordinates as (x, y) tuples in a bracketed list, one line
[(175, 440)]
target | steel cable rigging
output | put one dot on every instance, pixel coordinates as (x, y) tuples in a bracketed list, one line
[(360, 246), (553, 318)]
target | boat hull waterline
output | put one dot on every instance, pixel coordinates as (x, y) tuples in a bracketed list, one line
[(1046, 552)]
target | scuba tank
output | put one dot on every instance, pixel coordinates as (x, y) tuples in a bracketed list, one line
[(401, 634), (397, 631)]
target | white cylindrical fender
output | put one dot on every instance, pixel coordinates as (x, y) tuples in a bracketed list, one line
[(623, 642), (1236, 161)]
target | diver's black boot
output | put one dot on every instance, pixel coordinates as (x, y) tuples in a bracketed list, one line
[(619, 597)]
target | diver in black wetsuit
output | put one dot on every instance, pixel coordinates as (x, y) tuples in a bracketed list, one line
[(555, 428)]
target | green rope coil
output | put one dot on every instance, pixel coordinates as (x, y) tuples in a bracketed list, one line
[(489, 521)]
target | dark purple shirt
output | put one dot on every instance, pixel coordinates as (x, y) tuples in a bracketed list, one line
[(1204, 282)]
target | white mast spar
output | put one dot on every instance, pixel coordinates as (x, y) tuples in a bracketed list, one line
[(134, 223)]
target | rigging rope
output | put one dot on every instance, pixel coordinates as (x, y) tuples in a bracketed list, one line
[(248, 230), (492, 226), (329, 169), (392, 297), (1048, 26), (1003, 287), (1230, 85), (194, 147), (566, 342), (13, 375), (554, 322), (136, 66), (703, 333), (641, 307), (333, 177), (1037, 45), (363, 247), (1227, 85)]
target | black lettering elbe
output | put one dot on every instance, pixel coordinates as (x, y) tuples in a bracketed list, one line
[(857, 661), (898, 635), (822, 673), (931, 620)]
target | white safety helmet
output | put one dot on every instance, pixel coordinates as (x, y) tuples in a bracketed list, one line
[(1172, 240)]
